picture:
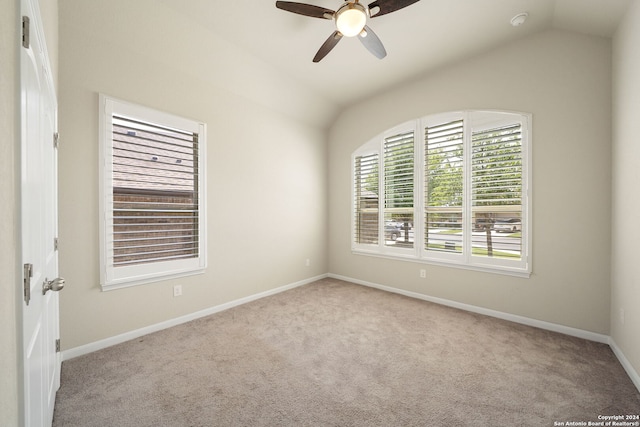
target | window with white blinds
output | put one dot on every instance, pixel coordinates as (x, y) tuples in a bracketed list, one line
[(398, 189), (496, 190), (458, 198), (365, 203), (152, 197), (443, 185)]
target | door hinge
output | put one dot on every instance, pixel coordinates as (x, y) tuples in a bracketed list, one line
[(56, 140), (28, 274), (58, 345), (55, 244), (25, 32)]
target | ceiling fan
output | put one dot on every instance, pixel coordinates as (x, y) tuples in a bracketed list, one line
[(350, 20)]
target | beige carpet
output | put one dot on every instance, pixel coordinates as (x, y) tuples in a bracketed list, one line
[(337, 354)]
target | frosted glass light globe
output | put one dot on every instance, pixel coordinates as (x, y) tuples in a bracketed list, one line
[(350, 21)]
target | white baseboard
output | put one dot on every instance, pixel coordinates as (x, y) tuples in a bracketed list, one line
[(633, 374), (591, 336), (127, 336)]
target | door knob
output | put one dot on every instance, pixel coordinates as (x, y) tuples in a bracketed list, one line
[(52, 285)]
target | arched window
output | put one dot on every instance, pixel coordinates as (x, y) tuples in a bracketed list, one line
[(450, 189)]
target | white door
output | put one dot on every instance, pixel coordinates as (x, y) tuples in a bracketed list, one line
[(41, 360)]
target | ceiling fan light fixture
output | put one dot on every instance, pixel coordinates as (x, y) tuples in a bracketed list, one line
[(351, 19)]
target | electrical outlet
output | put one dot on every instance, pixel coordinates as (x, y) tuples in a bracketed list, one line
[(622, 315), (308, 262), (423, 273), (177, 290)]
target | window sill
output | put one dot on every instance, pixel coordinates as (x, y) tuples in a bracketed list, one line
[(521, 273), (147, 280)]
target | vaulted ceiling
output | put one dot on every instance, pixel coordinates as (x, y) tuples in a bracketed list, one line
[(422, 37)]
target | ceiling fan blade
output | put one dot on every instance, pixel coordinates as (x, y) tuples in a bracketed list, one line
[(371, 41), (305, 9), (382, 7), (329, 44)]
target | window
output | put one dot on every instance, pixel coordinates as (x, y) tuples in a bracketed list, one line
[(398, 188), (444, 144), (152, 195), (366, 199), (460, 197)]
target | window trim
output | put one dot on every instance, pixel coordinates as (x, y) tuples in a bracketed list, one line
[(125, 276), (466, 261)]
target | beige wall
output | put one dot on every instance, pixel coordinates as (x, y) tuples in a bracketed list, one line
[(266, 163), (9, 146), (625, 277), (563, 79)]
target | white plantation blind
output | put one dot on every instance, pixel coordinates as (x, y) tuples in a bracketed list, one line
[(155, 192), (497, 166), (365, 201), (496, 188), (444, 148), (152, 205), (398, 182)]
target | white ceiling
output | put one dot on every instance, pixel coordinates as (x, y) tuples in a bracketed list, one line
[(419, 38)]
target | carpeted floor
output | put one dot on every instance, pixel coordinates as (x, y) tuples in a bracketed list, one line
[(337, 354)]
